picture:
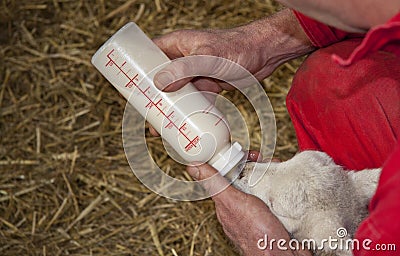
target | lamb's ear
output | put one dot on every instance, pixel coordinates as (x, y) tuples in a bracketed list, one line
[(289, 198), (317, 158), (366, 182)]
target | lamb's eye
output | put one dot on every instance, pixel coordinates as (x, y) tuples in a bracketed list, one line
[(270, 203), (241, 175)]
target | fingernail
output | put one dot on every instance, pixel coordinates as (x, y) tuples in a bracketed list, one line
[(163, 79), (254, 156), (194, 172)]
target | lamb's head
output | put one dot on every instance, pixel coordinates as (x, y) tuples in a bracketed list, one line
[(295, 187), (311, 195)]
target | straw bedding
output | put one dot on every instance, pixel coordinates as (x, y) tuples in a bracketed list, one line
[(65, 185)]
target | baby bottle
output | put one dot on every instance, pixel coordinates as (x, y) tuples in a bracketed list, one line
[(190, 123)]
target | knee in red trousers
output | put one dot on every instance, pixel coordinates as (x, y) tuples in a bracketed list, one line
[(351, 113)]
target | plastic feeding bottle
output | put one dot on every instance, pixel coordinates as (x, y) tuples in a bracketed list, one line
[(191, 124)]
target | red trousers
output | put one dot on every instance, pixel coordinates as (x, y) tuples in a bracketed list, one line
[(353, 114)]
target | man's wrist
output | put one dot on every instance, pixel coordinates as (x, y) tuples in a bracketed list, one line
[(280, 36)]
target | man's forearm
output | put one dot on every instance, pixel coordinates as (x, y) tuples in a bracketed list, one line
[(352, 16), (280, 37)]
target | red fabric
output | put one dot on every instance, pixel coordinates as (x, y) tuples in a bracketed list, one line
[(383, 224), (351, 113), (351, 110), (320, 34), (385, 35)]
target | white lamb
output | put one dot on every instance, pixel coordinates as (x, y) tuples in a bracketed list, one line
[(312, 196)]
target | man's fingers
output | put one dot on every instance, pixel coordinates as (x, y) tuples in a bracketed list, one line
[(210, 85), (209, 178), (169, 44), (216, 185), (153, 131), (176, 74), (165, 81), (254, 156), (182, 70)]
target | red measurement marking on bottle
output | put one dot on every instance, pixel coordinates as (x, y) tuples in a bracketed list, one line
[(207, 109), (170, 114), (219, 120), (170, 124), (192, 143), (132, 81), (183, 127), (149, 105), (110, 60), (147, 89), (122, 66), (159, 102)]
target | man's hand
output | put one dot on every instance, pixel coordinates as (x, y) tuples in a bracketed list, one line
[(244, 218), (259, 47)]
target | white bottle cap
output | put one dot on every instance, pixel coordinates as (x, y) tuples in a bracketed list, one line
[(229, 159)]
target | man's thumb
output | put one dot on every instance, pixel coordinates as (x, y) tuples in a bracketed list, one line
[(175, 74), (209, 178), (166, 80)]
